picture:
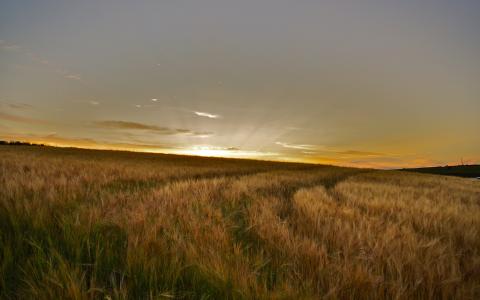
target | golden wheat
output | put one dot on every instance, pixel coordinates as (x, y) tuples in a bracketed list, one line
[(82, 224)]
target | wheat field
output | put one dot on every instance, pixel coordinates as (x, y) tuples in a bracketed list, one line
[(85, 224)]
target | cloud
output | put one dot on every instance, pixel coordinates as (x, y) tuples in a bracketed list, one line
[(207, 115), (359, 153), (20, 119), (143, 105), (9, 47), (73, 76), (17, 105), (312, 149), (394, 162), (39, 59), (293, 128), (65, 73), (297, 146), (94, 103), (124, 125), (61, 141), (154, 99)]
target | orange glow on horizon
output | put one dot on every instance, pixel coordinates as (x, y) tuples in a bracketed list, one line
[(207, 151)]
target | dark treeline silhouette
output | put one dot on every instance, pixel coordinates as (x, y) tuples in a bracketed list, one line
[(19, 143), (460, 170)]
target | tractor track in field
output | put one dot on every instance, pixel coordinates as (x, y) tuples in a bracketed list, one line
[(122, 185)]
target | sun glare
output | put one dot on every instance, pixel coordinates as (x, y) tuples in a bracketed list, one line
[(210, 151)]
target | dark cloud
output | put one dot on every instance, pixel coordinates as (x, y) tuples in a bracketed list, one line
[(19, 105), (20, 119), (15, 105), (54, 139), (125, 125)]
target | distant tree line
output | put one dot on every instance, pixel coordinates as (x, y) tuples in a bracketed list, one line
[(19, 143), (469, 171)]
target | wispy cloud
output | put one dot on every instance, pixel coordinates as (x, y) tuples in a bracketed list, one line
[(15, 105), (293, 128), (62, 141), (21, 119), (65, 73), (297, 146), (124, 125), (313, 149), (207, 115), (358, 153), (9, 47), (394, 162), (143, 105), (73, 76), (94, 103), (39, 59)]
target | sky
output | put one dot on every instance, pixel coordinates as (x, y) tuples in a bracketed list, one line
[(363, 83)]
